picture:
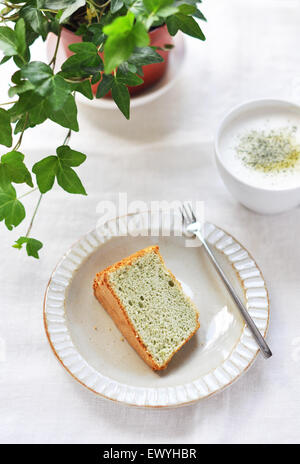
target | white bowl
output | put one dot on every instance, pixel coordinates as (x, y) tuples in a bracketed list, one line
[(263, 200)]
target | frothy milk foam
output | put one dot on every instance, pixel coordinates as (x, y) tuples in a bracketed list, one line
[(264, 119)]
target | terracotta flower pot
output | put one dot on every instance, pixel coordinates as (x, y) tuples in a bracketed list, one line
[(152, 72)]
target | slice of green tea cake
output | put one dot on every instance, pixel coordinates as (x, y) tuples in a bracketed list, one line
[(148, 306)]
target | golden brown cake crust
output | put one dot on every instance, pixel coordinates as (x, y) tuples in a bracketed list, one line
[(114, 307)]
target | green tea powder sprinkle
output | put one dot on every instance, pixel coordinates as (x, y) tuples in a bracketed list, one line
[(273, 151)]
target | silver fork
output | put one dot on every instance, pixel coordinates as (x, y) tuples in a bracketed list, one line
[(194, 227)]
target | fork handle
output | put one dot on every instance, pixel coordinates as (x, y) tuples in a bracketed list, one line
[(267, 353)]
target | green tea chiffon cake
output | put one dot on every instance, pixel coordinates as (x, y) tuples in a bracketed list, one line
[(148, 306)]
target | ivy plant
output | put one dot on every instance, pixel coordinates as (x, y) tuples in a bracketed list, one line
[(114, 49)]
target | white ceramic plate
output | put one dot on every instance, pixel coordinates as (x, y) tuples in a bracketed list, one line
[(175, 66), (91, 348)]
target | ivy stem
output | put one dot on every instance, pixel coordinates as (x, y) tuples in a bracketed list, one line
[(49, 10), (8, 103), (104, 4), (68, 136), (33, 216), (79, 79), (9, 18), (53, 60), (28, 193), (13, 7), (22, 133), (41, 195)]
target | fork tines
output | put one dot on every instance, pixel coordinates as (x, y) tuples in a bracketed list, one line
[(187, 212)]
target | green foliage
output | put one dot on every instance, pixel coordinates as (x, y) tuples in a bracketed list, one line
[(5, 128), (85, 59), (40, 75), (11, 209), (123, 35), (128, 78), (13, 169), (67, 115), (105, 85), (142, 56), (186, 24), (60, 167), (120, 95), (116, 5), (32, 246), (13, 42), (35, 19), (85, 87), (114, 50)]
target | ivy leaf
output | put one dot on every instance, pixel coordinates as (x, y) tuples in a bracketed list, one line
[(16, 78), (92, 33), (128, 67), (34, 17), (140, 35), (69, 157), (58, 105), (32, 246), (69, 7), (15, 169), (116, 5), (144, 55), (153, 6), (105, 85), (117, 49), (5, 59), (85, 59), (167, 11), (159, 9), (20, 33), (5, 128), (27, 100), (37, 115), (69, 181), (199, 15), (60, 93), (11, 209), (121, 96), (84, 88), (22, 87), (4, 178), (172, 25), (187, 8), (8, 41), (21, 124), (96, 78), (60, 166), (45, 171), (66, 176), (128, 78), (120, 25), (31, 36), (186, 24), (40, 75), (57, 4), (30, 110), (74, 6), (67, 115), (123, 36)]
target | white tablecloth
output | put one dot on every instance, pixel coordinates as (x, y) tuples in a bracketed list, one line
[(164, 152)]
